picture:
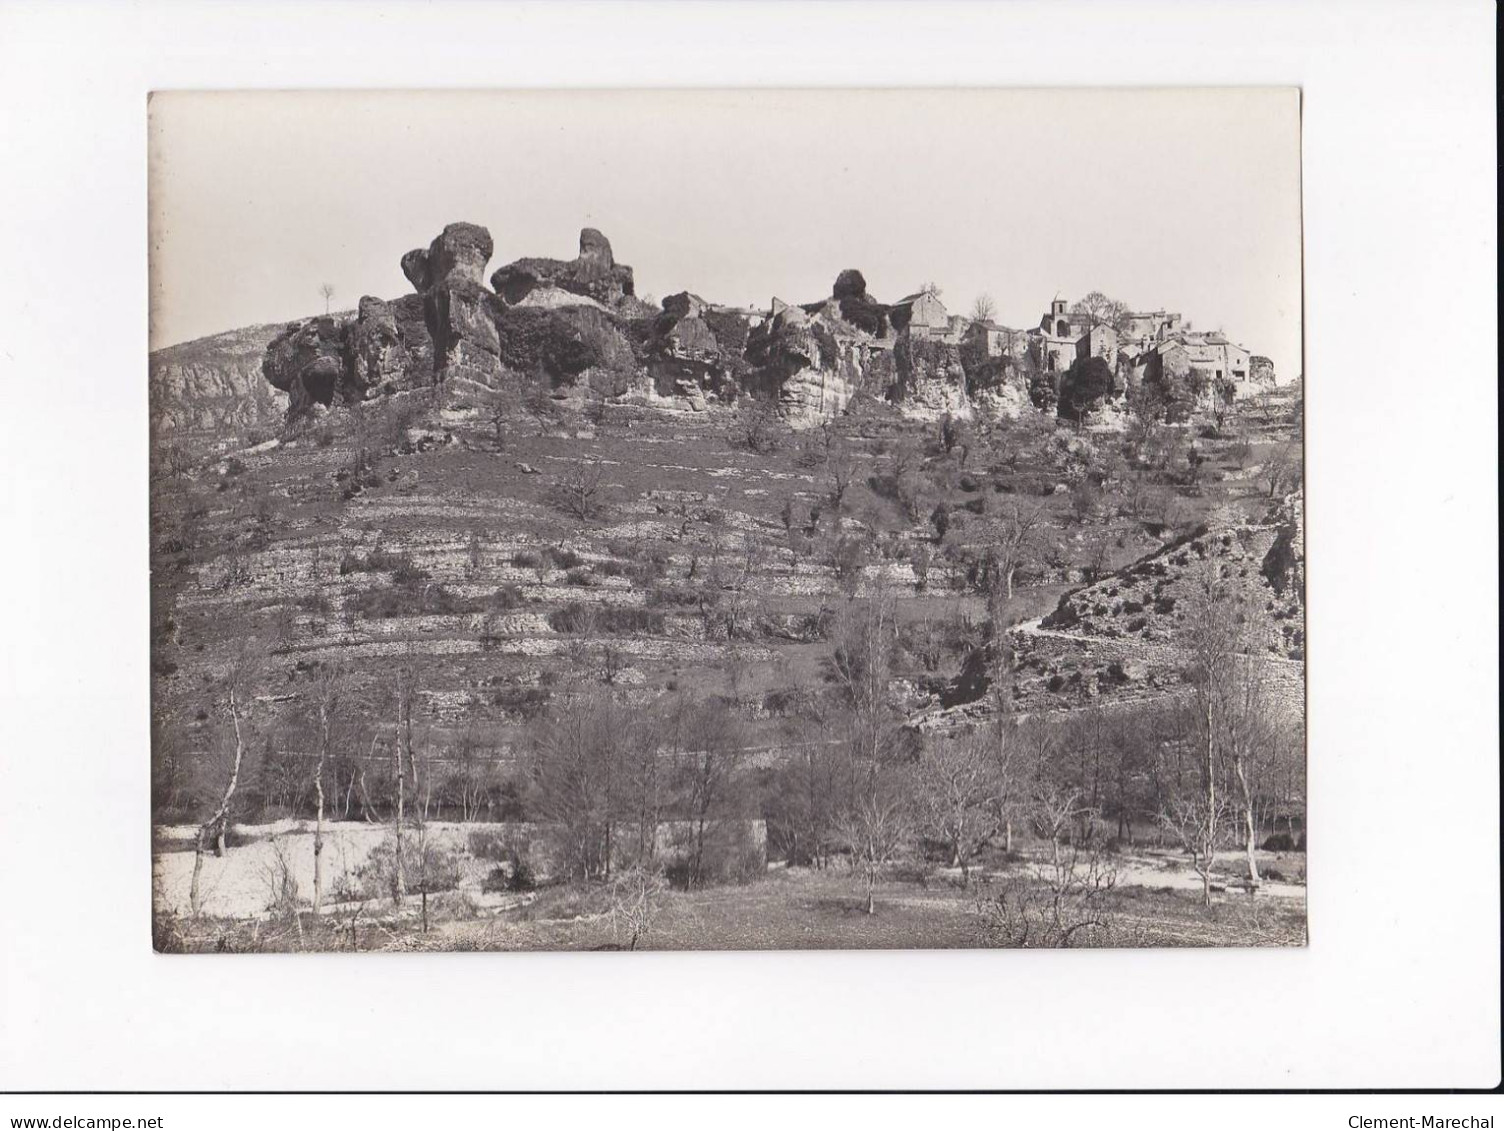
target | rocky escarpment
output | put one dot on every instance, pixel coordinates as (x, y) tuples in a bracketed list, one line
[(579, 322), (814, 359), (214, 385)]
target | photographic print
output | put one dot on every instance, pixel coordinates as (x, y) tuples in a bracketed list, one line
[(737, 520)]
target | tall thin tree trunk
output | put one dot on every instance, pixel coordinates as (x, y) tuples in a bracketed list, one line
[(1250, 826), (402, 738), (318, 843), (318, 823), (217, 822), (1210, 770)]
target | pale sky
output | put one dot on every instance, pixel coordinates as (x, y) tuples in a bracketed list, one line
[(1186, 199)]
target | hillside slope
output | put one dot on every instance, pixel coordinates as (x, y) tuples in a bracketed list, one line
[(212, 388)]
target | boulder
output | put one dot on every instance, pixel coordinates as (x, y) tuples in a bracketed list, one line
[(459, 255), (595, 258), (307, 362), (850, 283), (415, 267), (376, 353)]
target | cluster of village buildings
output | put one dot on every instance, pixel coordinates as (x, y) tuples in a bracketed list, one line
[(1141, 342)]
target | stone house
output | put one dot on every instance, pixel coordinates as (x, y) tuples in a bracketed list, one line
[(923, 315), (1149, 327), (1099, 341), (992, 340)]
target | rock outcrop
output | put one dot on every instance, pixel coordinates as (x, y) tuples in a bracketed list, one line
[(459, 311), (931, 381), (580, 320), (691, 348), (389, 347), (593, 274), (307, 362), (815, 358)]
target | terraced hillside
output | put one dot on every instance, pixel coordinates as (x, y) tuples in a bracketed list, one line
[(659, 550), (491, 574)]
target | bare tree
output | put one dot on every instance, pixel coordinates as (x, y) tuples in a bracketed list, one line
[(875, 821), (983, 309), (873, 828), (709, 772), (1223, 639), (956, 787), (1063, 901), (762, 431), (634, 894), (330, 688), (402, 747), (1099, 310), (1195, 819), (840, 470), (576, 781), (1012, 534), (1282, 470), (1002, 662), (238, 681), (578, 492), (326, 291)]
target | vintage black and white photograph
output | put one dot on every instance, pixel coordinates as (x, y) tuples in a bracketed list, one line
[(726, 520)]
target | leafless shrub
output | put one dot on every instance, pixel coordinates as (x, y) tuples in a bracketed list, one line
[(1068, 904), (634, 903), (280, 882), (1062, 902), (579, 492)]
